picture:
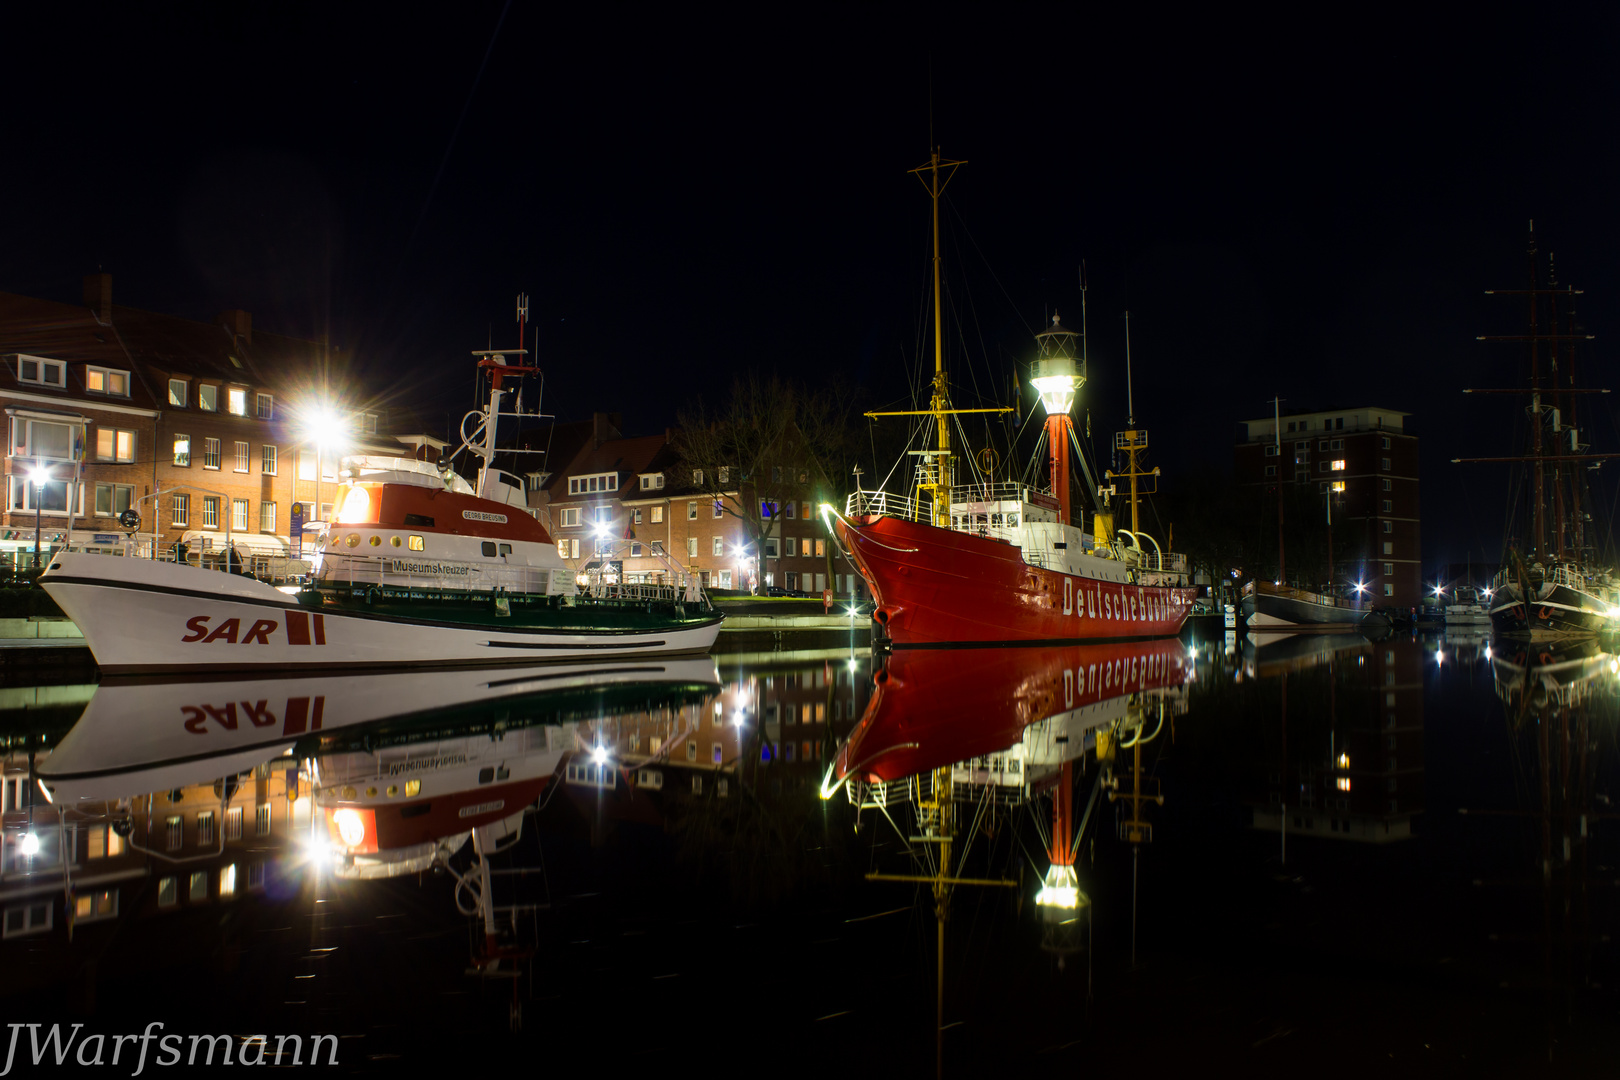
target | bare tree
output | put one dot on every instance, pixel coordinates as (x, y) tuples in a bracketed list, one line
[(770, 444)]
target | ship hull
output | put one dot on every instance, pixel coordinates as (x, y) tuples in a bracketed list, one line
[(142, 616), (940, 587), (1265, 611), (1560, 614)]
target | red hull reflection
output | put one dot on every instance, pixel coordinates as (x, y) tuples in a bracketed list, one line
[(933, 707)]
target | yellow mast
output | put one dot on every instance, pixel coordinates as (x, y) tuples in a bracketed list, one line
[(1132, 441), (934, 477)]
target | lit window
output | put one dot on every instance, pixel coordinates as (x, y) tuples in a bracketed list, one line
[(657, 514), (182, 449), (168, 892), (691, 511), (414, 543), (725, 474), (1344, 783), (697, 477), (114, 445), (1338, 464), (691, 547), (227, 882), (106, 381), (821, 545), (208, 398), (177, 393), (175, 829), (205, 828), (1389, 590), (267, 517), (1338, 485), (239, 515), (719, 545), (267, 406), (261, 820), (199, 886)]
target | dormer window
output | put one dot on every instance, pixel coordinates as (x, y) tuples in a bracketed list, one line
[(100, 380), (652, 481), (177, 393), (586, 485), (208, 398), (697, 477), (724, 474), (236, 401), (41, 370), (267, 406)]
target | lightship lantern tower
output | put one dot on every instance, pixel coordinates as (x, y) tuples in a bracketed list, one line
[(1057, 375)]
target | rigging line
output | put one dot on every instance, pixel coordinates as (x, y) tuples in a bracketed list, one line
[(1016, 310), (456, 132)]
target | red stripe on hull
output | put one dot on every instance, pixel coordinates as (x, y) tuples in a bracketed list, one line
[(938, 586)]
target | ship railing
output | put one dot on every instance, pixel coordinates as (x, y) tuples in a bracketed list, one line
[(1005, 491), (1571, 578), (638, 592), (881, 503), (356, 571)]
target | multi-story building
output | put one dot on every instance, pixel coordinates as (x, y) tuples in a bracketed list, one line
[(206, 431), (1366, 460), (626, 508)]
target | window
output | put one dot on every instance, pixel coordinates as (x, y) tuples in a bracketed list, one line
[(1321, 466), (725, 579), (267, 460), (1389, 506), (267, 517), (719, 509), (261, 820), (241, 457), (724, 474), (106, 381), (256, 875), (657, 514), (1389, 485), (602, 514), (697, 477), (1389, 526), (182, 449), (115, 445), (584, 485), (182, 510), (1385, 441), (208, 398), (32, 918), (1338, 464), (1271, 470), (227, 882), (570, 517), (177, 393), (719, 545), (306, 465), (771, 547), (821, 548), (1338, 444), (1389, 548), (205, 828), (199, 886), (1389, 568), (210, 453), (487, 549), (635, 549), (790, 546), (637, 516), (1389, 590), (38, 369), (1323, 445), (168, 892), (652, 481), (175, 828), (113, 499), (210, 518), (239, 515), (1385, 465), (1338, 485), (791, 507), (691, 511), (657, 547), (233, 823), (267, 406), (42, 439), (776, 474), (1271, 450), (691, 547), (1291, 425)]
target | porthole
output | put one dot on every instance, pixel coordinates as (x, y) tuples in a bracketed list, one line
[(371, 793), (413, 788), (353, 540), (348, 793), (393, 789), (394, 540), (375, 541)]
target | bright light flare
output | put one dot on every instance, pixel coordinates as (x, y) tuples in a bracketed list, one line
[(356, 508), (40, 475), (350, 825), (1061, 889), (30, 844), (599, 755), (1361, 586)]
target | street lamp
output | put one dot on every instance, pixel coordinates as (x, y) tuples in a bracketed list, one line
[(323, 427), (40, 476)]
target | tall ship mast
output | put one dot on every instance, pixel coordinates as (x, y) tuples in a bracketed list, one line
[(988, 560), (1551, 585)]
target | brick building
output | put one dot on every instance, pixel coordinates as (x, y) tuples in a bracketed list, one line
[(1370, 453), (626, 507), (204, 430)]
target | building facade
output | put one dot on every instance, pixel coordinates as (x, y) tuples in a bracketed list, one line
[(1366, 462), (210, 433)]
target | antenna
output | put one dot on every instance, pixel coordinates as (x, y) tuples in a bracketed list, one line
[(1130, 397), (1082, 311), (522, 316)]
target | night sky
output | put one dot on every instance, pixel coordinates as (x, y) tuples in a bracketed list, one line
[(1303, 204)]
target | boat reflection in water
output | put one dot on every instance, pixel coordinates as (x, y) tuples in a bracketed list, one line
[(950, 751)]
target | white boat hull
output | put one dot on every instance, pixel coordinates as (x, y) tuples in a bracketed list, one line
[(138, 616)]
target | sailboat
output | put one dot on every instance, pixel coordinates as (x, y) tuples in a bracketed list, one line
[(1550, 586), (1276, 607), (986, 562)]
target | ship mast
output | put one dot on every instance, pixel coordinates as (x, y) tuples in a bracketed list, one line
[(1133, 441)]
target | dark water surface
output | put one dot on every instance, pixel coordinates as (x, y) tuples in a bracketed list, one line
[(1392, 857)]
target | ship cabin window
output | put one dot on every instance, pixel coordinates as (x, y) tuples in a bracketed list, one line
[(486, 775), (1012, 520), (420, 521), (506, 549), (415, 543), (488, 547)]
